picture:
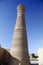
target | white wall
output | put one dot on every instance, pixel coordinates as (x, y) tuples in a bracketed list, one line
[(40, 55)]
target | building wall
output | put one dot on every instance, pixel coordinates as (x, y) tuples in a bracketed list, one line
[(40, 54), (4, 56)]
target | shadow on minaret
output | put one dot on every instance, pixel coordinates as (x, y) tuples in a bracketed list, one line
[(7, 59)]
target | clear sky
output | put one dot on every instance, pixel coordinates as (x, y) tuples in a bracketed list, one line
[(34, 22)]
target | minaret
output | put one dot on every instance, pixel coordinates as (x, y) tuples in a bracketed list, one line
[(19, 49)]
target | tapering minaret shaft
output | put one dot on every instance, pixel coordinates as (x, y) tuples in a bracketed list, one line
[(19, 48)]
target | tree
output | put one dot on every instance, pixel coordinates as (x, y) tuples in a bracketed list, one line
[(33, 55)]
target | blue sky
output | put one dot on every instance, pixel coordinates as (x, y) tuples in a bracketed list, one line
[(34, 22)]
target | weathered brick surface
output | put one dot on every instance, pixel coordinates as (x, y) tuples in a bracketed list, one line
[(19, 48)]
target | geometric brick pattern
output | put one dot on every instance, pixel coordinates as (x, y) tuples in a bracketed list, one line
[(19, 48)]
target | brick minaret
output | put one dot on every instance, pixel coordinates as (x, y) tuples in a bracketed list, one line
[(19, 49)]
